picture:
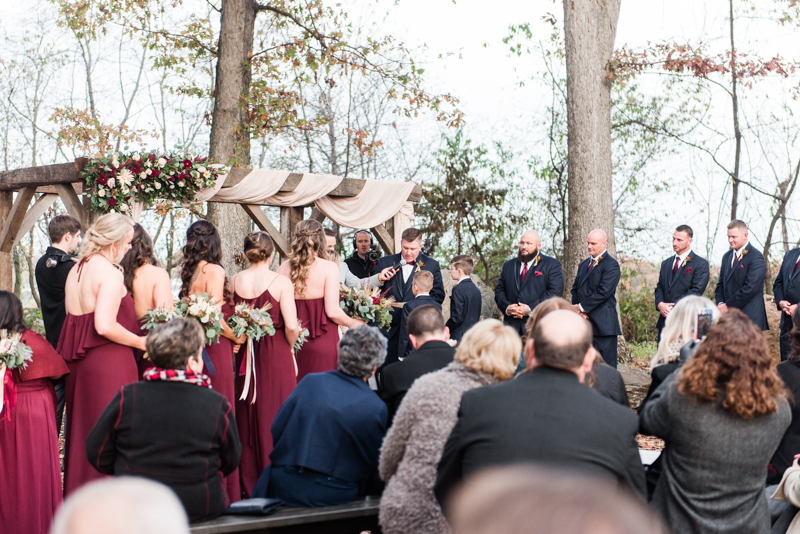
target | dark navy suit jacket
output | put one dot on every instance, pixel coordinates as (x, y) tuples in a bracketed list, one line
[(787, 286), (465, 308), (332, 423), (403, 345), (402, 293), (595, 291), (543, 281), (742, 286), (691, 279)]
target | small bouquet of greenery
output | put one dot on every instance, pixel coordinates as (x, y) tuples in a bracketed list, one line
[(302, 337), (14, 354), (158, 316), (203, 308), (367, 304), (253, 322)]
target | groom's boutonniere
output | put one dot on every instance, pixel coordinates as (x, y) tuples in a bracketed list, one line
[(420, 265), (686, 260), (598, 260), (536, 261)]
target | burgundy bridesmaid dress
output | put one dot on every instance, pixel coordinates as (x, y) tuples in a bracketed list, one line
[(319, 353), (98, 369), (30, 472), (275, 380), (221, 355)]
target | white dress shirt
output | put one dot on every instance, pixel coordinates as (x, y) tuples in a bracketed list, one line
[(738, 253), (407, 268), (681, 258)]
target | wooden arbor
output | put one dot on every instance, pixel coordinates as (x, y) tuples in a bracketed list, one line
[(63, 181)]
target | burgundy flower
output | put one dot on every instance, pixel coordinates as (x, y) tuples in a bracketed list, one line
[(112, 202), (187, 164), (376, 300), (102, 179), (151, 157)]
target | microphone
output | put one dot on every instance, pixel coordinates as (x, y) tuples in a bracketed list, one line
[(399, 264)]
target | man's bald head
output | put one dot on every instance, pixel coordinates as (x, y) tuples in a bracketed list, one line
[(529, 246), (596, 242), (561, 339)]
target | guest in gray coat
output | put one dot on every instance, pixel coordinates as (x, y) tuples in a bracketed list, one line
[(412, 448), (722, 416)]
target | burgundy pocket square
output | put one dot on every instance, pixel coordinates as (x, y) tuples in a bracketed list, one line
[(688, 271), (741, 266), (538, 273)]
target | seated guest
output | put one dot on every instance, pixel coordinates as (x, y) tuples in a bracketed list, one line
[(327, 434), (171, 427), (465, 300), (604, 379), (413, 446), (788, 493), (500, 501), (789, 371), (722, 416), (126, 505), (545, 416), (428, 335), (421, 287)]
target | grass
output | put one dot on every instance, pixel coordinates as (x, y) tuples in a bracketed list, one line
[(642, 353)]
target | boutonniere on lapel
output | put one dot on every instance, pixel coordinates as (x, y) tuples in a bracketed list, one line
[(536, 261), (686, 260), (744, 253), (598, 260), (420, 265)]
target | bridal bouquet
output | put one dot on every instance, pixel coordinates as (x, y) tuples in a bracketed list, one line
[(158, 316), (366, 304), (14, 354), (253, 322), (203, 308), (302, 337)]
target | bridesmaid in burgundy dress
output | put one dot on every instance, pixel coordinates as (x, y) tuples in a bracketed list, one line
[(202, 272), (316, 287), (275, 369), (30, 473), (97, 340), (147, 283)]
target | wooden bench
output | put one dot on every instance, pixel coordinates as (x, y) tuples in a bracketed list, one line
[(353, 517)]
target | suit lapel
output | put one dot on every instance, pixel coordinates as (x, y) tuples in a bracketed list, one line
[(530, 274), (517, 267), (586, 274), (792, 273), (681, 269), (728, 265)]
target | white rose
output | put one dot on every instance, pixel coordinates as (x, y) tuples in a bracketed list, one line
[(114, 162), (111, 182), (162, 162), (136, 157), (201, 168), (101, 193), (124, 207), (181, 183), (142, 175), (195, 310), (147, 164), (148, 172), (158, 185)]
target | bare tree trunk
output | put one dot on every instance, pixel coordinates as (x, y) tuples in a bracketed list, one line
[(32, 272), (230, 135), (590, 27), (780, 215), (737, 133)]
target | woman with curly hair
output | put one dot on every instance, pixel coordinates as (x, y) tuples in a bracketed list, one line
[(722, 415), (147, 283), (316, 292), (202, 272)]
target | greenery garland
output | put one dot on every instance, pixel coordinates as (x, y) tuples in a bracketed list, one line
[(119, 180)]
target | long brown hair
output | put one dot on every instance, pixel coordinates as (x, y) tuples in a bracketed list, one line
[(734, 363), (202, 244), (141, 253), (308, 244)]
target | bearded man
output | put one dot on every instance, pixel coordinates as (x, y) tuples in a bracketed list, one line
[(526, 281)]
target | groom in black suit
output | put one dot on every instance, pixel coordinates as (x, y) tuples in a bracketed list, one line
[(594, 295), (787, 294), (741, 277), (400, 282), (683, 274), (526, 281)]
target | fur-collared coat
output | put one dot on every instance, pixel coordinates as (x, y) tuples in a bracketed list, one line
[(413, 447)]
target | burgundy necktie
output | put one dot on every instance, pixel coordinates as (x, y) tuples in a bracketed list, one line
[(524, 272), (796, 265), (675, 267)]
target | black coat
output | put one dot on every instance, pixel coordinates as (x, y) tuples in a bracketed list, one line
[(609, 383), (182, 435), (51, 282), (403, 344), (465, 308), (397, 378), (691, 279), (595, 291), (789, 372), (742, 285), (360, 268), (787, 286), (546, 280), (543, 416), (402, 293)]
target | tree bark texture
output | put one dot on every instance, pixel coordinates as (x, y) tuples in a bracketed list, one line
[(6, 261), (230, 135), (590, 28)]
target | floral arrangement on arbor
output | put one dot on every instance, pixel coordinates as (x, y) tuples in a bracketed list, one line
[(367, 304), (119, 180)]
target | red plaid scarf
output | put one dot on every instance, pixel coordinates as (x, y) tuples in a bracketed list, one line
[(177, 375)]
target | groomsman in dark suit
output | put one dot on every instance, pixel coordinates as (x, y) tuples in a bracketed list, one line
[(741, 277), (399, 282), (594, 295), (787, 294), (465, 300), (683, 274), (526, 281)]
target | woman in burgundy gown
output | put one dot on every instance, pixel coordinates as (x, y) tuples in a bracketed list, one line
[(316, 286), (97, 340), (30, 472), (147, 283), (275, 373), (202, 272)]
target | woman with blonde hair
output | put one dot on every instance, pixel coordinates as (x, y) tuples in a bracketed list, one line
[(487, 354), (98, 339), (316, 293), (679, 330)]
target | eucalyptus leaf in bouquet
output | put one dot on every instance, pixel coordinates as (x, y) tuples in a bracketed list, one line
[(302, 337), (158, 316), (254, 322)]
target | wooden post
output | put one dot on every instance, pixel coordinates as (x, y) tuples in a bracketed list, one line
[(13, 221), (6, 263), (385, 239), (289, 219), (263, 222)]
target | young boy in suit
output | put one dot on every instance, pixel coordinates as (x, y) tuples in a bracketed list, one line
[(465, 301), (421, 287)]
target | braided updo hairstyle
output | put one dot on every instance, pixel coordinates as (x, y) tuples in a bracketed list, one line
[(308, 244), (202, 244), (111, 228), (141, 253), (258, 247)]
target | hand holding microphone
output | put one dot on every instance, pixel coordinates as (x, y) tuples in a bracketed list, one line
[(389, 272)]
